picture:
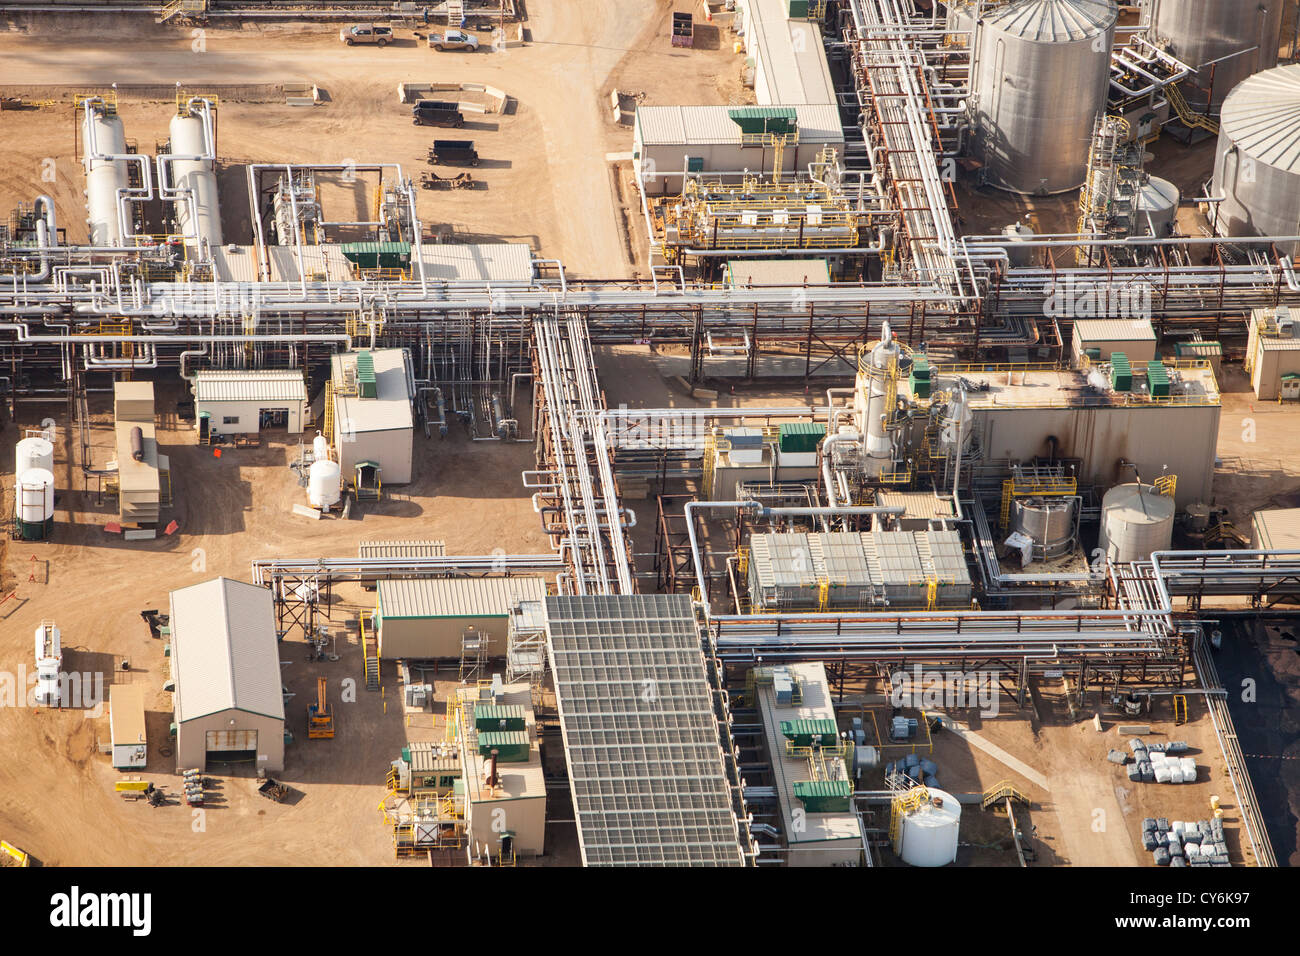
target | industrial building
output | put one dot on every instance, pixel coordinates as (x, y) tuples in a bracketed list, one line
[(671, 141), (505, 787), (1098, 339), (1275, 529), (225, 662), (247, 402), (1101, 418), (1273, 355), (811, 765), (370, 418), (785, 53), (430, 617)]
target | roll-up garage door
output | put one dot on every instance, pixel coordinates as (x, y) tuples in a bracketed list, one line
[(225, 740)]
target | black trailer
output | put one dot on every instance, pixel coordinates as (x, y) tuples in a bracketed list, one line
[(453, 152), (437, 113)]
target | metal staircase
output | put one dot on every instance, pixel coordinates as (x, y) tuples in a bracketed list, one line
[(369, 650), (1000, 791), (1189, 117)]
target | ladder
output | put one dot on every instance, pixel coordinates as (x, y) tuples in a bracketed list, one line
[(369, 651), (473, 654), (1188, 117), (327, 427)]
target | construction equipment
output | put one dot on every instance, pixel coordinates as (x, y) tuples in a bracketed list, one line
[(133, 789), (13, 853), (320, 718)]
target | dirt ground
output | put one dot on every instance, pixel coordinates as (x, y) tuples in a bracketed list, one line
[(546, 173), (230, 510)]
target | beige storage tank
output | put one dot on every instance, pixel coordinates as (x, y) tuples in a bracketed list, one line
[(1135, 521)]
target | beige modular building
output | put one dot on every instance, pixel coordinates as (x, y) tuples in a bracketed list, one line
[(1273, 354), (140, 480), (667, 140), (1134, 337), (226, 671), (127, 726), (427, 617), (374, 425), (248, 401), (508, 813)]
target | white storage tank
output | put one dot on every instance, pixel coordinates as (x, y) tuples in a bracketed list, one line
[(1017, 235), (1135, 520), (928, 834), (34, 452), (193, 135), (1201, 32), (323, 485), (1041, 74), (1256, 164), (34, 504), (871, 403), (320, 447), (104, 177)]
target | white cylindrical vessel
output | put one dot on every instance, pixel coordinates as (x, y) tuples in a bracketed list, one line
[(35, 452), (199, 214), (320, 447), (928, 834), (872, 404), (323, 488), (104, 133), (1135, 520), (34, 504)]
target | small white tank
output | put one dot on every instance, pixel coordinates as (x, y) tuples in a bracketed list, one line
[(34, 452), (320, 447), (323, 488), (34, 503), (1135, 520), (928, 835)]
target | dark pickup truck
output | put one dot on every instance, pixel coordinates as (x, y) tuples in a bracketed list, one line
[(453, 152), (437, 113)]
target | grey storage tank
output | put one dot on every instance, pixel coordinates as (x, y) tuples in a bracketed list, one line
[(1257, 162), (1041, 74), (1200, 32)]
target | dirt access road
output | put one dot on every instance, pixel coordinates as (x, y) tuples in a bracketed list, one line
[(555, 185)]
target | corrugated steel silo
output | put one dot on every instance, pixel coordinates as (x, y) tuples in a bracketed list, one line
[(1041, 75), (1199, 32), (1257, 162)]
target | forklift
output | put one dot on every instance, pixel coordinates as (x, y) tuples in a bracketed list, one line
[(320, 718)]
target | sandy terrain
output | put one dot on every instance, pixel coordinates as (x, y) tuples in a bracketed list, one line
[(547, 179)]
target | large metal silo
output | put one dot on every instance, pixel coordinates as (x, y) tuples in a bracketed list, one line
[(1041, 75), (1257, 162), (1200, 32)]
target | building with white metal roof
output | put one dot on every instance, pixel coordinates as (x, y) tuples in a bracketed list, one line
[(1134, 337), (373, 418), (426, 618), (225, 661), (1273, 354), (246, 401), (669, 139), (647, 771), (789, 59)]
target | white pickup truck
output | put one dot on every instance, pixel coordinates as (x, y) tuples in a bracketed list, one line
[(453, 40)]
